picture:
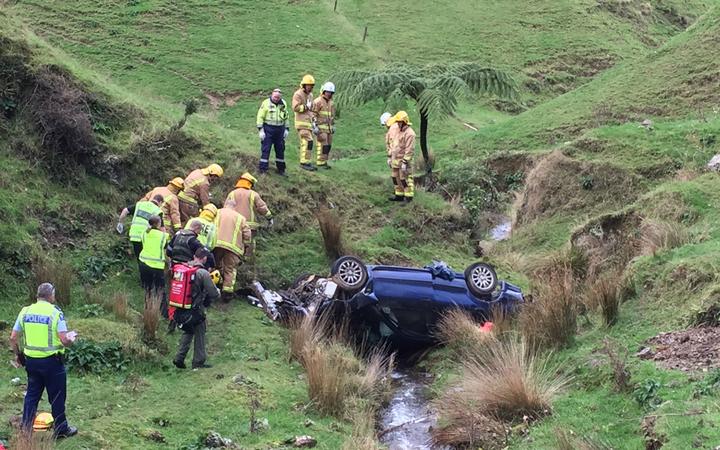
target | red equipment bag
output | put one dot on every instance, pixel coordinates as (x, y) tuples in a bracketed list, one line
[(181, 286)]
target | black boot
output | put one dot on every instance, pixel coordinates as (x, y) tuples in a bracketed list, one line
[(309, 167), (397, 198), (408, 199)]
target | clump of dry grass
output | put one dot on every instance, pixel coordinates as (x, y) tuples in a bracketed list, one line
[(331, 230), (461, 332), (603, 294), (618, 362), (363, 435), (23, 440), (339, 382), (657, 235), (151, 318), (551, 319), (58, 272), (120, 308), (507, 381), (566, 440)]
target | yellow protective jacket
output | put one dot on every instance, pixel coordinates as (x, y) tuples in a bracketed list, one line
[(207, 235), (39, 324), (248, 203), (233, 232), (153, 248), (303, 114), (272, 114), (404, 147), (170, 206), (197, 189), (324, 111), (390, 138)]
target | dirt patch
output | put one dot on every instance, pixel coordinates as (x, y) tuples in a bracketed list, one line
[(609, 241), (218, 99), (560, 184), (694, 349)]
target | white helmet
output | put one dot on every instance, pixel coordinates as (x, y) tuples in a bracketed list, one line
[(384, 118), (328, 86)]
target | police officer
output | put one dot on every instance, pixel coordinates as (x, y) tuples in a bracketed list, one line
[(45, 336), (273, 127)]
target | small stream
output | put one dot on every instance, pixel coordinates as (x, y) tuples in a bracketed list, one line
[(406, 422)]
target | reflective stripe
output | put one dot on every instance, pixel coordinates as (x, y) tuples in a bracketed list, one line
[(144, 210), (325, 113), (253, 196), (153, 251), (29, 316), (300, 123), (186, 198), (278, 160), (231, 245), (263, 160)]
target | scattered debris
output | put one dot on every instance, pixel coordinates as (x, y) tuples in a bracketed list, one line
[(694, 349), (242, 380), (309, 423), (302, 441), (647, 124)]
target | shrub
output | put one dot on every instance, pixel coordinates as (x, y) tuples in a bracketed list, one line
[(646, 394), (90, 310), (618, 363), (551, 319), (331, 230), (658, 235), (89, 357), (58, 272), (602, 294)]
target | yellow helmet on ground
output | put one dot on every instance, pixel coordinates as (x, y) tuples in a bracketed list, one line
[(215, 277), (43, 421), (307, 79), (247, 177), (177, 182), (402, 116), (215, 169)]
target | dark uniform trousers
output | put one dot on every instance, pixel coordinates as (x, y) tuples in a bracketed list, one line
[(46, 374)]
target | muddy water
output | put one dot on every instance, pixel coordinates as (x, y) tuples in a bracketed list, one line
[(405, 424)]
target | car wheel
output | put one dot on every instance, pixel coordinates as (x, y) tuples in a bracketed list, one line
[(481, 278), (349, 273)]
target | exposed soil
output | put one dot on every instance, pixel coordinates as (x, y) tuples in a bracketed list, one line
[(694, 349), (218, 99)]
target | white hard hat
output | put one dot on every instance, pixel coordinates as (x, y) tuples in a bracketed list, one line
[(384, 118), (328, 87)]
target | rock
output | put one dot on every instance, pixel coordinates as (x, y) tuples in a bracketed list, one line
[(261, 424), (714, 163), (302, 441), (154, 436), (16, 381), (647, 124), (645, 353), (215, 440)]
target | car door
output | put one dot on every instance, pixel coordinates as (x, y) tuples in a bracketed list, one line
[(405, 297), (450, 294)]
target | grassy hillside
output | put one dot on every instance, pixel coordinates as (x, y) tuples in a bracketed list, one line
[(590, 72)]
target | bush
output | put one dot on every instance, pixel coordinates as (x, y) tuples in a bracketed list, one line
[(331, 230), (618, 363), (89, 357), (551, 319), (646, 394), (90, 310), (58, 272)]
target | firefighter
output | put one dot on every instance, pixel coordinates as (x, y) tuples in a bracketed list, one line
[(402, 156), (302, 104), (152, 262), (273, 126), (388, 122), (45, 336), (206, 236), (170, 206), (196, 192), (203, 293), (232, 243), (248, 202), (141, 211), (324, 112)]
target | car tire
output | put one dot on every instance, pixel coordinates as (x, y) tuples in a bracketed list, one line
[(349, 273), (481, 278)]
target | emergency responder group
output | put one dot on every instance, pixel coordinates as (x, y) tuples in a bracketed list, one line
[(315, 126), (178, 226)]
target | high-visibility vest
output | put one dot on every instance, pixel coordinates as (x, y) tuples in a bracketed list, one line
[(272, 114), (144, 210), (39, 323), (153, 248), (207, 235)]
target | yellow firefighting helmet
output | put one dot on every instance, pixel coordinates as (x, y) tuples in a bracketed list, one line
[(43, 421), (212, 209), (215, 277), (247, 177), (402, 116), (307, 79), (214, 169), (177, 182)]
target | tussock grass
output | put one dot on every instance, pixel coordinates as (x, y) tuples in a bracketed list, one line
[(331, 230), (120, 307), (461, 332), (507, 381), (566, 440), (151, 318), (58, 272), (41, 440), (603, 294), (363, 435), (551, 319), (340, 383), (658, 235)]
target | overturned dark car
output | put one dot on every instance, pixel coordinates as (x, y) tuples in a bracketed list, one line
[(397, 304)]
